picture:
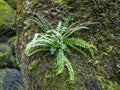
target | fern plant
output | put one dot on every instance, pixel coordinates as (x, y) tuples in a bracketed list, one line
[(57, 41)]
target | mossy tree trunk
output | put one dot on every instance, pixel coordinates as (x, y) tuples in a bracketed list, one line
[(43, 76)]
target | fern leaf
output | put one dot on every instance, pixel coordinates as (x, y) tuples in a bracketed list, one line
[(60, 61), (92, 52), (52, 50), (58, 28), (70, 69), (37, 51), (56, 33), (70, 31), (67, 22), (89, 23), (44, 27), (78, 49), (42, 22), (80, 43)]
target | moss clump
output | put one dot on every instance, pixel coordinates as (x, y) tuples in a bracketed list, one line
[(7, 58), (7, 17)]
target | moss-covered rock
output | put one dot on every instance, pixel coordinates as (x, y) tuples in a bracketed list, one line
[(7, 18), (7, 57), (11, 79), (12, 3), (103, 68)]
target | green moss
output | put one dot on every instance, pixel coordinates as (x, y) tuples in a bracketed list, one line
[(108, 84), (3, 57), (7, 17), (13, 41), (12, 3), (6, 56)]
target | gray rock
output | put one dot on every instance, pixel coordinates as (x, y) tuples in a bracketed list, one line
[(11, 79), (95, 85)]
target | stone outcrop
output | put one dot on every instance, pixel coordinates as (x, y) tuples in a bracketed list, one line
[(11, 79)]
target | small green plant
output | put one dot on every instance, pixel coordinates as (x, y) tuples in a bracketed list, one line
[(60, 2), (58, 40)]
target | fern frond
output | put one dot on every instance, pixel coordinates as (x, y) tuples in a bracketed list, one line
[(63, 61), (88, 23), (43, 27), (92, 52), (70, 31), (42, 22), (80, 43), (55, 33), (36, 51), (70, 69), (59, 26), (67, 22), (43, 40), (78, 49), (60, 61), (56, 40), (76, 27), (81, 24), (29, 46)]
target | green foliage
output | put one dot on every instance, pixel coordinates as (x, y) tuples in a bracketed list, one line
[(77, 42), (57, 41), (60, 2)]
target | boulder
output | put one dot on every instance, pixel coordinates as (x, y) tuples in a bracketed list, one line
[(11, 79), (12, 3), (7, 18)]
